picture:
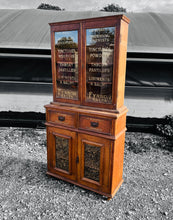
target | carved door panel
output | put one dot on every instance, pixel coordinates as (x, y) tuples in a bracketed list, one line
[(61, 152), (94, 162)]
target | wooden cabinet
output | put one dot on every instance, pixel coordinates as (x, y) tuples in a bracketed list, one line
[(86, 121)]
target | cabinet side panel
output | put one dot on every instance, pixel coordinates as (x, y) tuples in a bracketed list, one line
[(122, 63), (120, 124), (118, 157), (49, 149), (53, 64)]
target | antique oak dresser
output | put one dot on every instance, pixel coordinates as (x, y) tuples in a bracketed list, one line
[(86, 122)]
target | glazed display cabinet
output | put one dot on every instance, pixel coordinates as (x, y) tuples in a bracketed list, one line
[(86, 122)]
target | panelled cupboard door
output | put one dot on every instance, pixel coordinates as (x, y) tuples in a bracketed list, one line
[(61, 152), (94, 162)]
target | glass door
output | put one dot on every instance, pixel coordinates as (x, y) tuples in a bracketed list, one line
[(99, 65), (66, 52), (66, 67)]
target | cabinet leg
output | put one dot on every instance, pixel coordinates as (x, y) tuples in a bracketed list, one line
[(109, 198)]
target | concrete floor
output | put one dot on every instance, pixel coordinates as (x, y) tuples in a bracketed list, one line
[(141, 102)]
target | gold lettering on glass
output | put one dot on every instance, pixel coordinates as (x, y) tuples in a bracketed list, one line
[(66, 52), (99, 64)]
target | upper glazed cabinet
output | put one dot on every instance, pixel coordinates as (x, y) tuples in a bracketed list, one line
[(88, 61)]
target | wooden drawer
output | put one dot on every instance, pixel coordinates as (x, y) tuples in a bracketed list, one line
[(62, 118), (96, 124)]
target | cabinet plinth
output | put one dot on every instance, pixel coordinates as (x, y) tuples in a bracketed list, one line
[(86, 122)]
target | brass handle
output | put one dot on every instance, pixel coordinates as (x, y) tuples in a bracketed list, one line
[(61, 118), (94, 124)]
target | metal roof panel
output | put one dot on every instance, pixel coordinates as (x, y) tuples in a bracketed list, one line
[(29, 29)]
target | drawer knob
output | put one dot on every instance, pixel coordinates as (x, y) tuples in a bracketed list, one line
[(61, 118), (94, 124)]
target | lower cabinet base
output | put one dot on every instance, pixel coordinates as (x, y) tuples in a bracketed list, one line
[(109, 196), (86, 148), (116, 189)]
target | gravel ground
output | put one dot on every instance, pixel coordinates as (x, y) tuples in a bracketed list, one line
[(26, 192)]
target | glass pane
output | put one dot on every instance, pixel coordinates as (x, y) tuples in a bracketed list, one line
[(66, 52), (99, 64), (92, 162), (62, 153)]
